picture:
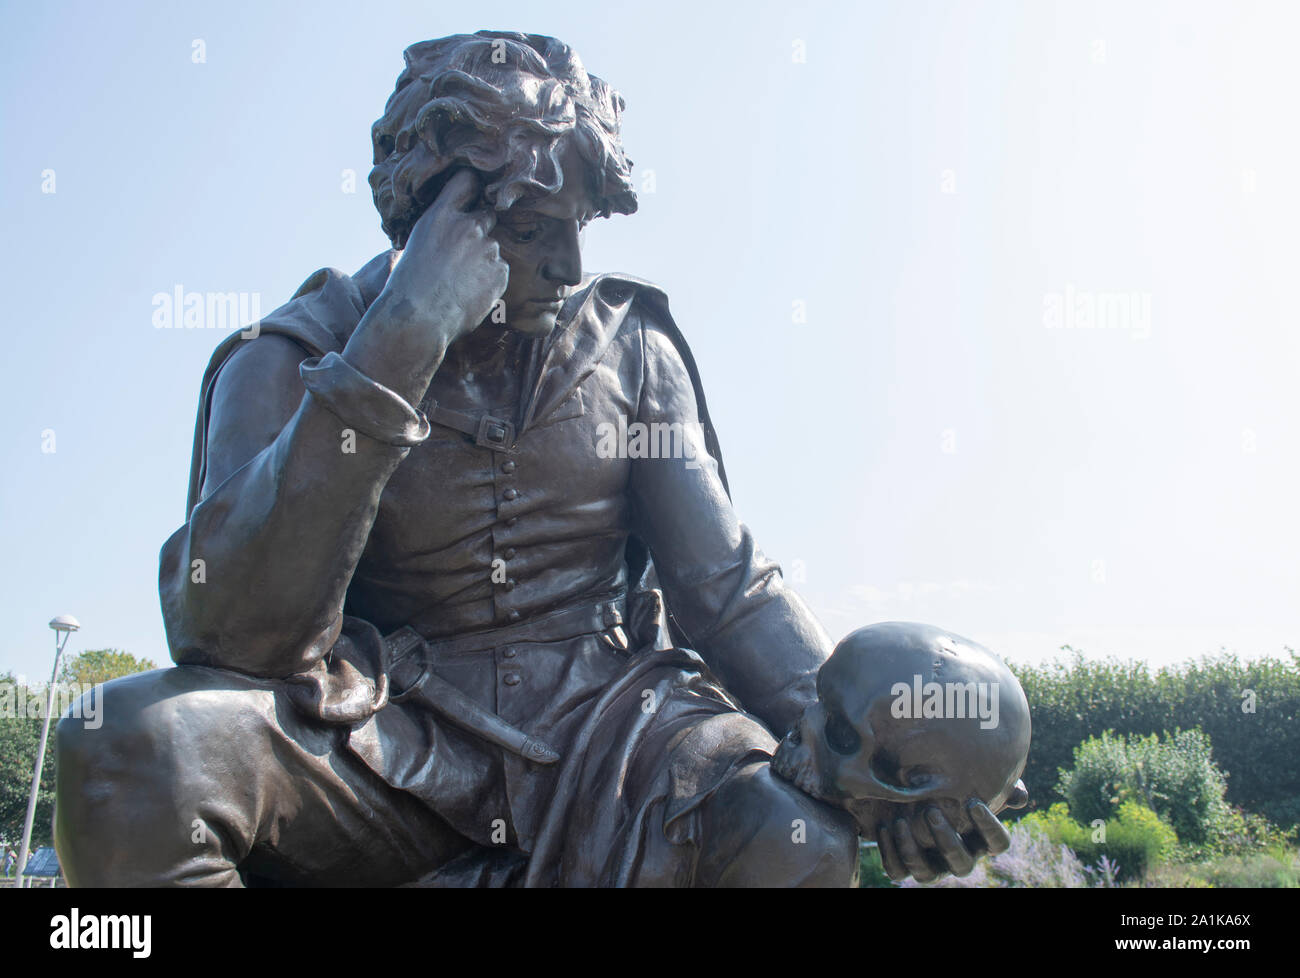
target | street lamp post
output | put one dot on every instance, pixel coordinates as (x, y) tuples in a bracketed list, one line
[(63, 625)]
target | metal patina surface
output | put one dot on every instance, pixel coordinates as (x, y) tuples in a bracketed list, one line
[(461, 598)]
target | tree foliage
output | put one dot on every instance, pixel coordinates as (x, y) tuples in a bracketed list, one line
[(100, 665), (1249, 711), (19, 738)]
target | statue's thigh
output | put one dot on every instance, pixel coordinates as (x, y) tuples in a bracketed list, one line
[(198, 775)]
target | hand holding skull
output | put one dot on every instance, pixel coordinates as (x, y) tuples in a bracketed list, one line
[(921, 735)]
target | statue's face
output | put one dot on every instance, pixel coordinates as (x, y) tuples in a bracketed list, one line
[(539, 240)]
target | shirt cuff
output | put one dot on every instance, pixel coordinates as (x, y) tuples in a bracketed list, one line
[(364, 404)]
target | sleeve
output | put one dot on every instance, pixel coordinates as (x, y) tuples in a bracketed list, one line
[(298, 454), (758, 636)]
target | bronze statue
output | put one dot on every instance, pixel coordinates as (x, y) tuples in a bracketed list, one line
[(425, 631)]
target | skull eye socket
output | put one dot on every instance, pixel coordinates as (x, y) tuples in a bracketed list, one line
[(840, 735)]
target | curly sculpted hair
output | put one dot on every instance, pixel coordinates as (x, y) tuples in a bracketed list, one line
[(501, 103)]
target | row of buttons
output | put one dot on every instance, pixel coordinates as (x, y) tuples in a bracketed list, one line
[(510, 495), (510, 678)]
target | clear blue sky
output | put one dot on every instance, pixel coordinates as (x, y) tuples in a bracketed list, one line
[(929, 180)]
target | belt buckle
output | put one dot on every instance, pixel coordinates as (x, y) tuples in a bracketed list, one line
[(495, 433)]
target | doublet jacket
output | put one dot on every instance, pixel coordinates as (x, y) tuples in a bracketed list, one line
[(504, 517)]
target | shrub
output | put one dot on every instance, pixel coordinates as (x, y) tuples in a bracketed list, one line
[(1244, 833), (1278, 867), (1133, 841), (1175, 776), (1138, 836), (1102, 772), (1267, 869), (1173, 876)]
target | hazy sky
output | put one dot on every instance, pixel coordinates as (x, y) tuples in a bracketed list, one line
[(994, 303)]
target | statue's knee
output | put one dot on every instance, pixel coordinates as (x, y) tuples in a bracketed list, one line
[(146, 761), (106, 744), (798, 840), (91, 731), (762, 831), (824, 838), (104, 767), (177, 718)]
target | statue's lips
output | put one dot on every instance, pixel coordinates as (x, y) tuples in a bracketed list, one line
[(552, 303)]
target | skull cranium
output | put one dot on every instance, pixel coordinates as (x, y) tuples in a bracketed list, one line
[(909, 714)]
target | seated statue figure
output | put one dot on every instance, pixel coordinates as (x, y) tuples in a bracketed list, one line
[(428, 627)]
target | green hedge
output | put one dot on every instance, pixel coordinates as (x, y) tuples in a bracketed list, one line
[(1073, 700)]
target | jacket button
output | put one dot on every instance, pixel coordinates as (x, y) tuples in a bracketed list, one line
[(510, 494), (512, 679), (508, 465), (510, 653), (510, 584), (512, 521), (509, 553), (512, 615)]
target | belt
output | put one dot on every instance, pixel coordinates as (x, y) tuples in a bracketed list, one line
[(411, 656), (580, 619)]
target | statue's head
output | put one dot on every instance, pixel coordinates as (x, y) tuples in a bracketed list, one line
[(541, 133), (907, 715)]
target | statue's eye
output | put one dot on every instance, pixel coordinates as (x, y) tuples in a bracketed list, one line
[(522, 228), (840, 735)]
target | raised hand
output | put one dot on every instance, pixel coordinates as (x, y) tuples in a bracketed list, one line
[(451, 272), (444, 286)]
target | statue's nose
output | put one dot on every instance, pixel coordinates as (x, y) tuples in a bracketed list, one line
[(564, 264)]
